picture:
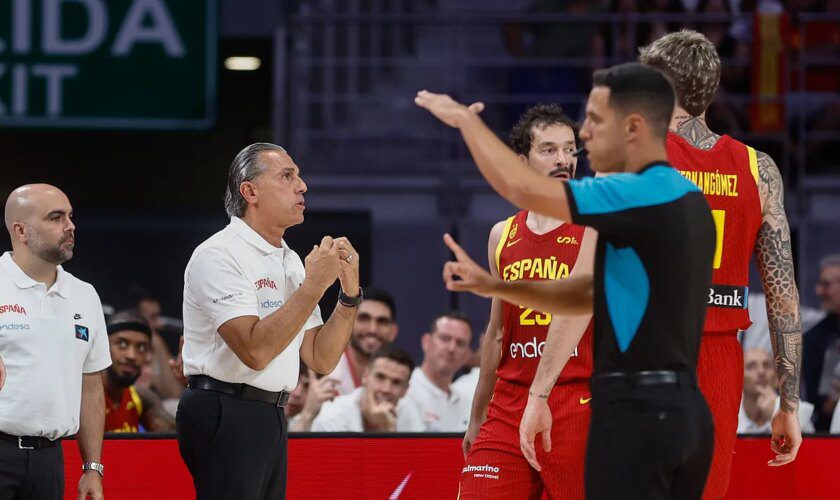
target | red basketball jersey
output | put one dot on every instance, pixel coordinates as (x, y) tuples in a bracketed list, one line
[(522, 254), (728, 176), (126, 416)]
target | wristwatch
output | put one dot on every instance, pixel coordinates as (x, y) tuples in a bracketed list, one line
[(349, 301), (94, 466)]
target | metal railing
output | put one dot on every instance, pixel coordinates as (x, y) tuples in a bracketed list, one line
[(353, 67)]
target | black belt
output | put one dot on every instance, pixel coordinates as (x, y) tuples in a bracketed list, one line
[(29, 442), (243, 391), (632, 379)]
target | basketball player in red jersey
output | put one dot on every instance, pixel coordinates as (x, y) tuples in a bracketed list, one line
[(744, 189), (126, 405), (531, 246)]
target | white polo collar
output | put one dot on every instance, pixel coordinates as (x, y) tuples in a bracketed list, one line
[(248, 234), (421, 377), (23, 280)]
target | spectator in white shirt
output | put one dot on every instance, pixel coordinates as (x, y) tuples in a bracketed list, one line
[(378, 405), (446, 348), (761, 398), (306, 400), (374, 328)]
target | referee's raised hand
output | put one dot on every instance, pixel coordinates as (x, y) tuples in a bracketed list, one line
[(322, 264), (472, 277), (445, 108)]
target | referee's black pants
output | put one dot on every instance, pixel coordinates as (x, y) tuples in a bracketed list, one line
[(234, 448), (31, 474), (648, 441)]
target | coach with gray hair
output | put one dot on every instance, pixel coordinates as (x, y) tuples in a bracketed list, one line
[(250, 315)]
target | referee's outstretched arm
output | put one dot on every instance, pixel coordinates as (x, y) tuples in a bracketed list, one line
[(506, 173), (570, 296)]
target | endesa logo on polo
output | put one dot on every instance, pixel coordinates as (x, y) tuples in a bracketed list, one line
[(12, 308), (265, 283), (13, 327), (271, 304)]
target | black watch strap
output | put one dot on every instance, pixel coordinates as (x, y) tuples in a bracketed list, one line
[(349, 301)]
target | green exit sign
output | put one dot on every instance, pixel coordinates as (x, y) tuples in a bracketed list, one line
[(147, 64)]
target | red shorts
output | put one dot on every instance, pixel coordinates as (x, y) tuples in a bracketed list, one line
[(720, 374), (495, 467)]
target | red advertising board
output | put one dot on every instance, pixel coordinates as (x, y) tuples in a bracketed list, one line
[(419, 468)]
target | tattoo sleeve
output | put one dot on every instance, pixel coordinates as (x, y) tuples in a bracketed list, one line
[(775, 264)]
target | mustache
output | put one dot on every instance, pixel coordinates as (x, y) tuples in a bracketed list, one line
[(560, 170)]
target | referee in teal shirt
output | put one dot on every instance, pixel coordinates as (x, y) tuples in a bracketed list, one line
[(651, 433)]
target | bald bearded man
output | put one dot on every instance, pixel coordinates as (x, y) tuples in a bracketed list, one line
[(53, 348)]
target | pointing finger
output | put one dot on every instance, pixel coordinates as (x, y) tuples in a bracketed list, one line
[(456, 249)]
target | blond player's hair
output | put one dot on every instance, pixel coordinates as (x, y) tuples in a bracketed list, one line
[(692, 64)]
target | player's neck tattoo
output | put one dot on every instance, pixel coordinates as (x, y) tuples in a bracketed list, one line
[(694, 130)]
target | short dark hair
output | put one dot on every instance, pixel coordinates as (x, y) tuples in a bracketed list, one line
[(635, 88), (395, 355), (380, 295), (453, 315), (540, 116), (128, 319)]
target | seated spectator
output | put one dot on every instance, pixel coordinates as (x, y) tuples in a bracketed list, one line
[(819, 339), (758, 334), (157, 376), (127, 406), (445, 350), (306, 400), (466, 383), (761, 398), (375, 328), (835, 421), (298, 396), (378, 404)]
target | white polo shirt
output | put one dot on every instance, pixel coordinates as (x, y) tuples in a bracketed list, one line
[(344, 375), (439, 410), (747, 426), (238, 273), (48, 338), (344, 414)]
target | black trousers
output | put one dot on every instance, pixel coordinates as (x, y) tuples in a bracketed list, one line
[(234, 448), (31, 474), (648, 441)]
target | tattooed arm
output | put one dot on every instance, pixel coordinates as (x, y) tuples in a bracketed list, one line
[(775, 263)]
